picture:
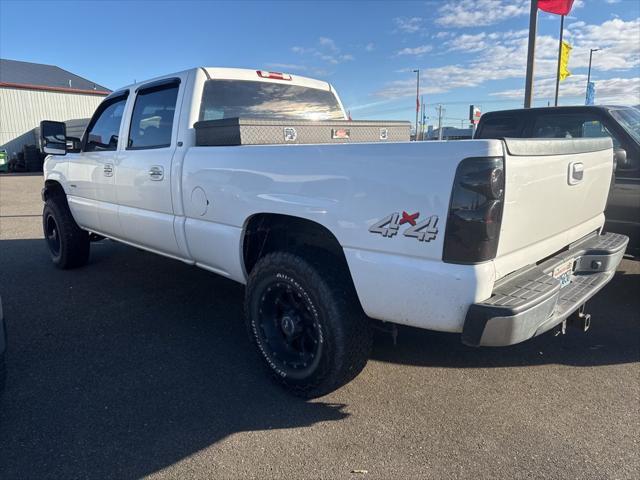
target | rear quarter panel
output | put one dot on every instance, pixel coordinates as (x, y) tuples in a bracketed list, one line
[(346, 188)]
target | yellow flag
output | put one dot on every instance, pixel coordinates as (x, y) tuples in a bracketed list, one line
[(564, 60)]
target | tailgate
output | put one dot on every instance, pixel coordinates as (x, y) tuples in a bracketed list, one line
[(555, 193)]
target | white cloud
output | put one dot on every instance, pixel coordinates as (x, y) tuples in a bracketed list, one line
[(468, 43), (611, 2), (328, 43), (408, 25), (504, 54), (326, 50), (366, 106), (405, 88), (477, 13), (370, 47), (418, 51), (611, 90), (287, 66), (618, 41), (442, 34)]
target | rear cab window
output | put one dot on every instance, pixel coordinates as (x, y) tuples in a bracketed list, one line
[(244, 98), (500, 127)]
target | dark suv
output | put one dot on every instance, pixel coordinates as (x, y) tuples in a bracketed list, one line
[(622, 124)]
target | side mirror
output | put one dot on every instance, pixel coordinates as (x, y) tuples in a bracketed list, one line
[(53, 137), (620, 159)]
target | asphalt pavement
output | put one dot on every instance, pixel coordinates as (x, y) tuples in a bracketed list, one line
[(138, 365)]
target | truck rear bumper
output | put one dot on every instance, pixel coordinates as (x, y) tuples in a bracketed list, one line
[(531, 301)]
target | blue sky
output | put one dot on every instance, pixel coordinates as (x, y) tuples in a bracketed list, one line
[(469, 51)]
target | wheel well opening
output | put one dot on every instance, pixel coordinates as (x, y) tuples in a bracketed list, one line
[(267, 233), (52, 189)]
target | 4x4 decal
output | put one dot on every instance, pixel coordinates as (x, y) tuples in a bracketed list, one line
[(424, 231)]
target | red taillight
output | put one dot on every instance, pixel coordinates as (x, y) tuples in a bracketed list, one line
[(274, 75)]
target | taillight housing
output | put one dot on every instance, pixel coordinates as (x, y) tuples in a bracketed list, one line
[(475, 211)]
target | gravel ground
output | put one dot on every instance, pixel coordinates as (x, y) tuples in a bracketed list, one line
[(137, 365)]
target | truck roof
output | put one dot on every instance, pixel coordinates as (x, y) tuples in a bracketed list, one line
[(241, 74), (252, 74), (565, 109)]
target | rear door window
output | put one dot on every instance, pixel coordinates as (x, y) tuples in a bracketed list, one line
[(152, 118)]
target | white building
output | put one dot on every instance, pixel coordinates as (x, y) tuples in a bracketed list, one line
[(32, 92)]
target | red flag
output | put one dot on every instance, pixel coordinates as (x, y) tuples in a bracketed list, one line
[(558, 7), (417, 104)]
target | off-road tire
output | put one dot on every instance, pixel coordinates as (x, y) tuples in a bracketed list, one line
[(74, 245), (346, 336)]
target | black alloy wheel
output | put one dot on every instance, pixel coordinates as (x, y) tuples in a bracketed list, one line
[(289, 329), (52, 235)]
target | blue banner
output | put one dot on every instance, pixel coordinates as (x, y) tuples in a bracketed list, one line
[(591, 94)]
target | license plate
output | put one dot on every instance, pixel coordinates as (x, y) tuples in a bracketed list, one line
[(563, 273)]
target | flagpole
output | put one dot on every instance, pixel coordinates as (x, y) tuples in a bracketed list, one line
[(417, 72), (422, 117), (559, 58), (531, 54)]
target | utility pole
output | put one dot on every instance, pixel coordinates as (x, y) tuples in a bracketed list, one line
[(440, 122), (531, 54), (417, 72), (559, 58)]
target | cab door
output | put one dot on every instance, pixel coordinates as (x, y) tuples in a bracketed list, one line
[(91, 194), (143, 169)]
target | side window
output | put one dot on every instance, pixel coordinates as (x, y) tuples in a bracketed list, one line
[(500, 127), (570, 126), (558, 126), (595, 128), (152, 118), (104, 128)]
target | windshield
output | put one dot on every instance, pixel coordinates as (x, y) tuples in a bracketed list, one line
[(239, 98), (629, 118)]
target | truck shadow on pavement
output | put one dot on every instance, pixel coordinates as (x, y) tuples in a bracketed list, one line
[(135, 362), (126, 366)]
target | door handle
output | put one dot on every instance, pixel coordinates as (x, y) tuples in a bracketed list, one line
[(156, 173), (108, 170), (576, 172)]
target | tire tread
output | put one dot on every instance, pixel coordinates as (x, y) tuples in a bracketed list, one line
[(74, 242), (352, 343)]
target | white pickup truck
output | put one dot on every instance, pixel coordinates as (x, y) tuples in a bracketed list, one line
[(499, 240)]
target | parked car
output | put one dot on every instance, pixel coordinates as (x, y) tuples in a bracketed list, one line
[(3, 349), (621, 124), (470, 237)]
